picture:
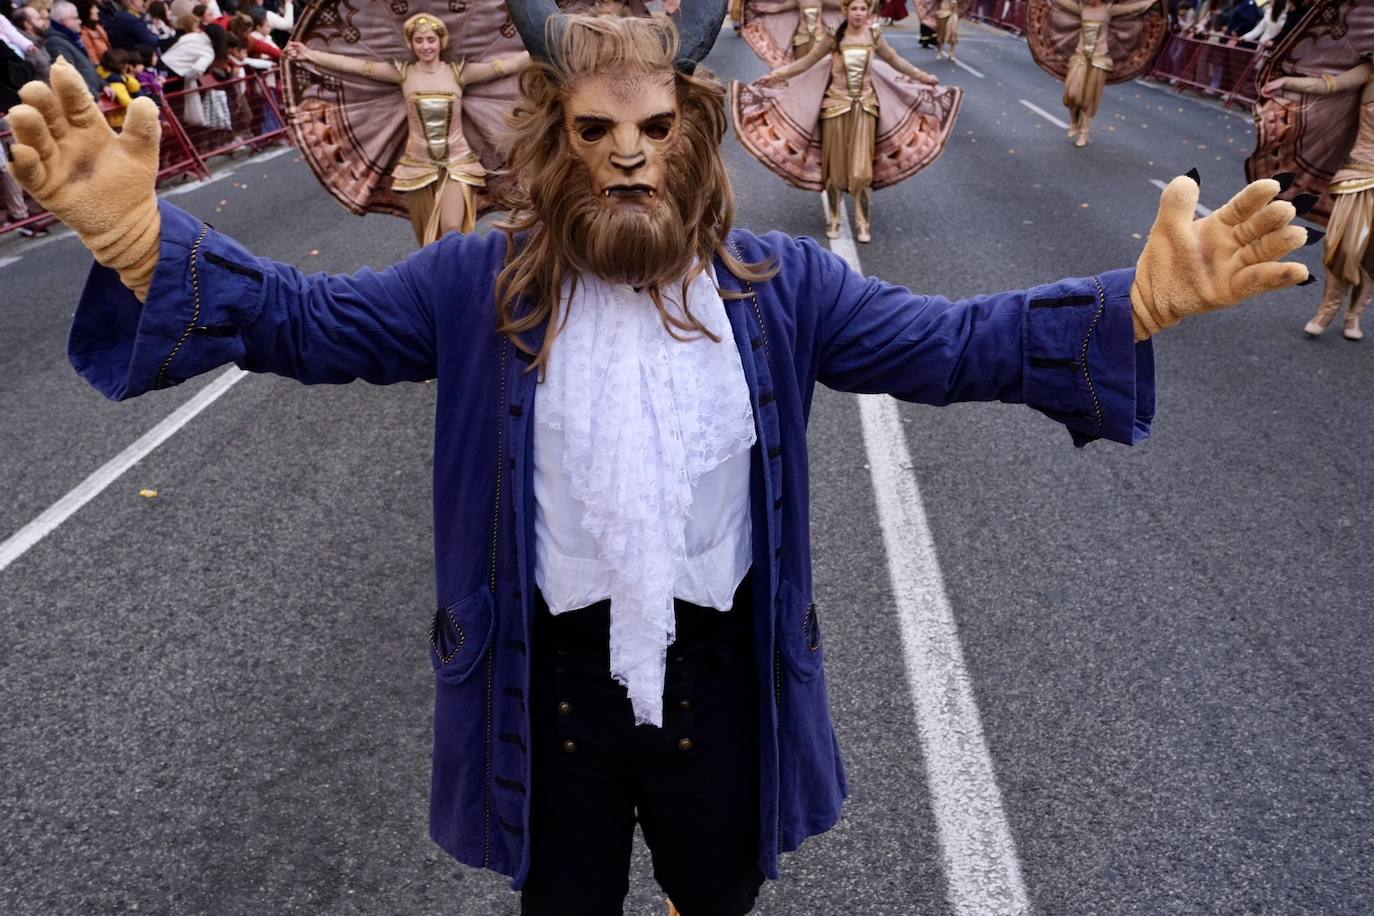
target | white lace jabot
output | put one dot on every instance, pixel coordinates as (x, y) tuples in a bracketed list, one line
[(636, 496)]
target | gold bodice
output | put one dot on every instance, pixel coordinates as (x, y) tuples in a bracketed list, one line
[(434, 111), (1092, 44), (434, 135), (854, 60)]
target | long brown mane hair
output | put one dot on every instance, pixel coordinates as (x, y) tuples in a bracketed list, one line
[(550, 191)]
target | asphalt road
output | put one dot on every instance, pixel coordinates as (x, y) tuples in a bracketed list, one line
[(217, 700)]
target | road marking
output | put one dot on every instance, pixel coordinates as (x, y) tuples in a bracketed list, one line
[(15, 546), (6, 262), (197, 185), (959, 63), (1064, 125), (982, 869), (1201, 210)]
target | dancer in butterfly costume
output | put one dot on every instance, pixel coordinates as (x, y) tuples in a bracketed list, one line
[(851, 115), (438, 175), (625, 627), (1350, 230), (1090, 43)]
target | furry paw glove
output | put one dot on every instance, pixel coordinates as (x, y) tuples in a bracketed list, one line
[(1190, 266), (100, 184)]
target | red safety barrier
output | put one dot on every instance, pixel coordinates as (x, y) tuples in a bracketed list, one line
[(220, 117), (245, 114), (1004, 14), (1211, 66)]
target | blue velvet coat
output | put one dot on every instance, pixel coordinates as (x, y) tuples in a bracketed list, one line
[(1064, 349)]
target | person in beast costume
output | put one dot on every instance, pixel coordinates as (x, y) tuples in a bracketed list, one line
[(625, 630)]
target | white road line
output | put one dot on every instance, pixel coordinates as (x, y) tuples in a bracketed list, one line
[(6, 262), (15, 546), (1201, 210), (197, 185), (959, 63), (1063, 125), (981, 866)]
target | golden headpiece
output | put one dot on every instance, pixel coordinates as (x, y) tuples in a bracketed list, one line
[(427, 21)]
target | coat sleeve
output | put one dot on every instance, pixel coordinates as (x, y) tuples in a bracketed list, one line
[(212, 303), (1066, 349)]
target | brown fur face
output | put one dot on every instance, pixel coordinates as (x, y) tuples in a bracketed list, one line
[(556, 200)]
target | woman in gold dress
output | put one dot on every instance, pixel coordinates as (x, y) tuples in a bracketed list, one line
[(1092, 59), (1350, 230), (437, 153), (849, 111)]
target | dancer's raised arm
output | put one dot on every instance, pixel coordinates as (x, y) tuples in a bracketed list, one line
[(367, 68), (1326, 84), (901, 64), (1129, 7), (484, 71)]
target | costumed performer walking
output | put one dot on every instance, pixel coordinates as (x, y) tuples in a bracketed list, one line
[(1349, 253), (943, 18), (1090, 43), (437, 153), (620, 474), (1091, 60), (864, 109), (781, 31)]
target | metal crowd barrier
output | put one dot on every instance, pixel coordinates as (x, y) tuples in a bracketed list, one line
[(1211, 66), (1004, 14), (215, 119)]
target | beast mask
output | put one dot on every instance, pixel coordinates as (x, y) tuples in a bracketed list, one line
[(616, 160)]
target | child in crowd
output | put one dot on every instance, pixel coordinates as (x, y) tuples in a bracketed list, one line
[(149, 80), (116, 69)]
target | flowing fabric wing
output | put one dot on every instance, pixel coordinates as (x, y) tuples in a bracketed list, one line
[(926, 10), (1134, 41), (768, 27), (351, 130), (1311, 135), (781, 126)]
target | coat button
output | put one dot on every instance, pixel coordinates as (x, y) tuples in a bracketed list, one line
[(684, 744), (565, 708), (684, 704), (570, 746)]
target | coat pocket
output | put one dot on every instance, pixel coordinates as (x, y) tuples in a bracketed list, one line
[(799, 632), (458, 635)]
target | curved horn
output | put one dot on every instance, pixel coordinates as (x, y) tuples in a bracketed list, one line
[(539, 22), (698, 23)]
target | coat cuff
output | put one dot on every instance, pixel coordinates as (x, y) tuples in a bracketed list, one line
[(206, 290), (1083, 366)]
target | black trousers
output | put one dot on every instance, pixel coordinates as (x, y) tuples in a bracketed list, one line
[(692, 786)]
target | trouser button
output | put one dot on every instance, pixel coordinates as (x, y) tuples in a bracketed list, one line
[(570, 746), (565, 708)]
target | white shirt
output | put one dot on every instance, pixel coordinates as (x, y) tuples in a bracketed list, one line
[(641, 471)]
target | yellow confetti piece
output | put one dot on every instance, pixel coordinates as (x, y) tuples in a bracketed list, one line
[(1084, 206), (1011, 152), (147, 494)]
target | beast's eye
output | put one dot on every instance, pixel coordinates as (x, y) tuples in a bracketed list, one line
[(658, 130), (592, 133)]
